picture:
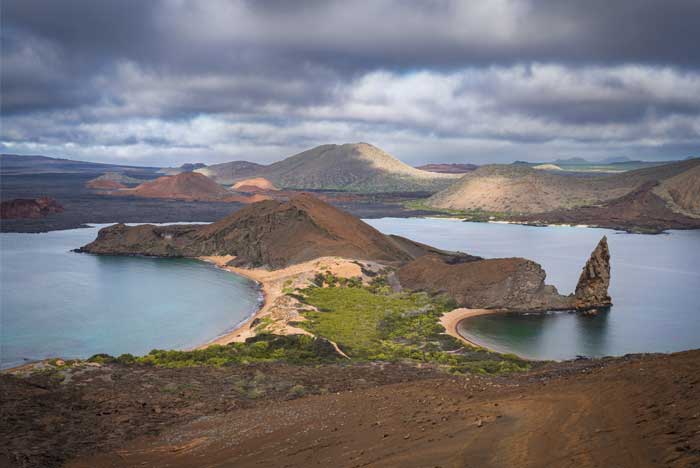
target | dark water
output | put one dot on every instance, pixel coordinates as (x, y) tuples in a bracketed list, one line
[(655, 287), (57, 303)]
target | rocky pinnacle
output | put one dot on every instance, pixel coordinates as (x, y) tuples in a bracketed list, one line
[(592, 288)]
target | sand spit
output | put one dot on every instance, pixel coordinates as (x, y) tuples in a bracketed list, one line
[(280, 312)]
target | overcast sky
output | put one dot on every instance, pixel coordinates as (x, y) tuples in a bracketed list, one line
[(167, 82)]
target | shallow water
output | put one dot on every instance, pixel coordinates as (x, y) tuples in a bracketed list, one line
[(54, 302), (655, 287)]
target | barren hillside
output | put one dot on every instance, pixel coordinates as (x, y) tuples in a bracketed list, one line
[(520, 189)]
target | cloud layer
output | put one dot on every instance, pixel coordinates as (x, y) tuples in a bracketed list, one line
[(175, 81)]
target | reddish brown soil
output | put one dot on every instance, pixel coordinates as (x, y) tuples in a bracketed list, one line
[(636, 411), (184, 186), (304, 228), (270, 233), (476, 283), (95, 409), (29, 208), (640, 209)]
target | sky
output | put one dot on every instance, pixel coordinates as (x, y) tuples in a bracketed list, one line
[(173, 81)]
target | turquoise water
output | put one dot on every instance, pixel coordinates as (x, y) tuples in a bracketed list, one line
[(54, 302), (655, 287)]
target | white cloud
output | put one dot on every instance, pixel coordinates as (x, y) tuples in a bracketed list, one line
[(497, 113)]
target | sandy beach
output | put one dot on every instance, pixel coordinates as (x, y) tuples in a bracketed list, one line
[(279, 310), (451, 319)]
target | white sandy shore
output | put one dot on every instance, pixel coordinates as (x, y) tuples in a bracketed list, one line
[(278, 308), (451, 320)]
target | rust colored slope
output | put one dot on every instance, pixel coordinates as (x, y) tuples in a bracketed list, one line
[(631, 412), (280, 233), (184, 186)]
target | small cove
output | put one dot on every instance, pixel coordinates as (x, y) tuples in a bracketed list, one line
[(655, 287), (55, 302)]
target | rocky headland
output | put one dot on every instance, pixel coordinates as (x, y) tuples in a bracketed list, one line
[(276, 234), (29, 208)]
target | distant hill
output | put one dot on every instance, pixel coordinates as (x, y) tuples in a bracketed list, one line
[(29, 208), (112, 181), (190, 186), (682, 191), (186, 167), (231, 172), (357, 167), (271, 233), (520, 189), (14, 164), (616, 160), (257, 184), (572, 162), (184, 186), (445, 168)]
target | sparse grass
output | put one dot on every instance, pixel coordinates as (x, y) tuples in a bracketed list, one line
[(478, 215), (369, 323), (263, 348)]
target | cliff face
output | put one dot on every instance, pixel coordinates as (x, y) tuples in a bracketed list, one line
[(29, 208), (592, 288), (501, 283), (515, 284)]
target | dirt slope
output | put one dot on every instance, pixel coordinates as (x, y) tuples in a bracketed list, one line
[(632, 412), (256, 184), (230, 172), (184, 186), (112, 181), (358, 167), (519, 189), (270, 233), (639, 210), (683, 191)]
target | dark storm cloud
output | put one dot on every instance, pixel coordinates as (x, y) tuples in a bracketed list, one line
[(298, 69)]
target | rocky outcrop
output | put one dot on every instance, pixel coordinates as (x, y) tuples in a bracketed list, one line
[(276, 234), (592, 288), (515, 284), (112, 181), (501, 283), (29, 208), (271, 233)]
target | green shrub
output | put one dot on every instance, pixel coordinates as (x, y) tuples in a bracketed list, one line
[(297, 391)]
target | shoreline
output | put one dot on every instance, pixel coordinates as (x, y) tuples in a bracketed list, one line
[(276, 306), (451, 321), (237, 334)]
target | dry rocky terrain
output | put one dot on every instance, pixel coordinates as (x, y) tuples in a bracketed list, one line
[(358, 167), (634, 411), (518, 189)]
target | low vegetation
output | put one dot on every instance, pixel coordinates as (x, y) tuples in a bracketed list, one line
[(477, 216), (263, 348), (367, 322), (372, 323)]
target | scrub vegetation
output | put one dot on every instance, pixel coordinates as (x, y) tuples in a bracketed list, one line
[(368, 323)]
